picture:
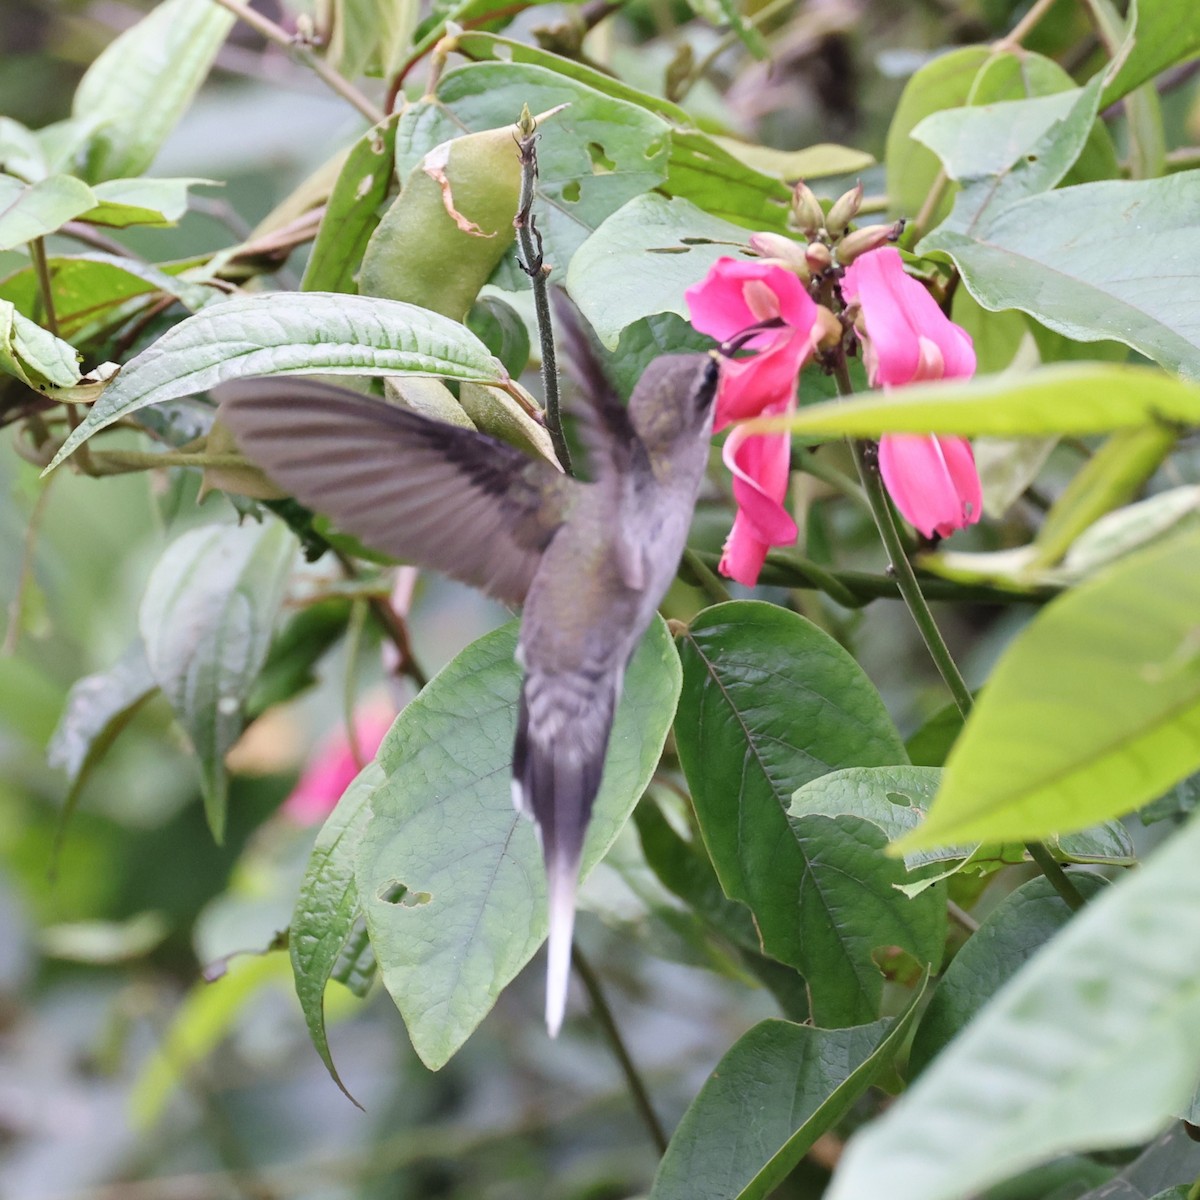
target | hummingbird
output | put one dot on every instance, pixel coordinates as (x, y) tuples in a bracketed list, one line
[(588, 562)]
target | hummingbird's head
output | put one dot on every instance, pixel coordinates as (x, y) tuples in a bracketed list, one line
[(673, 400)]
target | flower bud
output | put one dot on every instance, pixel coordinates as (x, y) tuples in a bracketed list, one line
[(818, 257), (827, 330), (806, 210), (781, 249), (845, 209), (869, 237)]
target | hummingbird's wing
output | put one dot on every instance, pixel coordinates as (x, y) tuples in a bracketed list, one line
[(608, 434), (445, 497)]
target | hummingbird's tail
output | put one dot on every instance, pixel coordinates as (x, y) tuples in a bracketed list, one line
[(563, 726)]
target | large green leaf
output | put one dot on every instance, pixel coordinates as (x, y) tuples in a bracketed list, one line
[(352, 211), (288, 333), (1013, 932), (29, 211), (769, 703), (1118, 280), (770, 1097), (327, 908), (449, 875), (1172, 1158), (1094, 1043), (206, 620), (643, 258), (132, 95), (1065, 398), (1161, 33), (1092, 710)]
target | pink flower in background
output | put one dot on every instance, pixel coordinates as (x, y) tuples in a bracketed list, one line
[(332, 769), (907, 338), (759, 464), (736, 295)]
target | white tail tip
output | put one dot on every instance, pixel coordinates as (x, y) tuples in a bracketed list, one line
[(561, 882)]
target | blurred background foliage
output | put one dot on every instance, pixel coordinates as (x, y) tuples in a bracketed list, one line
[(122, 1074)]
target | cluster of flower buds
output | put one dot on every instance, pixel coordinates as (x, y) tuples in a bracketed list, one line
[(830, 239)]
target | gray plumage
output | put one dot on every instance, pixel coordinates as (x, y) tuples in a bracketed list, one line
[(590, 562)]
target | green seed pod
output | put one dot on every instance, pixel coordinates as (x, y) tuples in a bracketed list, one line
[(446, 231)]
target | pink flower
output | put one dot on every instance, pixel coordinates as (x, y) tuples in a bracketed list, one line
[(329, 774), (933, 481), (907, 338), (736, 295), (759, 464)]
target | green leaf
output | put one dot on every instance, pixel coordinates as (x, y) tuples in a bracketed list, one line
[(371, 36), (769, 703), (813, 162), (896, 799), (1091, 711), (327, 908), (1065, 398), (450, 876), (86, 286), (778, 1089), (206, 620), (1161, 33), (643, 258), (1120, 533), (1008, 151), (34, 356), (726, 12), (1094, 1043), (943, 83), (301, 644), (1013, 932), (1174, 1156), (21, 152), (288, 333), (153, 202), (593, 157), (352, 211), (29, 211), (1114, 475), (98, 707), (701, 170), (1114, 282), (133, 95)]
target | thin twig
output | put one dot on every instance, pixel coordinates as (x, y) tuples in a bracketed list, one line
[(281, 37), (705, 576), (530, 241), (608, 1025), (1025, 26), (37, 248)]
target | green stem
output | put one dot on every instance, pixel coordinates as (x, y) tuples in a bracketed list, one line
[(37, 248), (706, 577), (608, 1025), (914, 598), (530, 241)]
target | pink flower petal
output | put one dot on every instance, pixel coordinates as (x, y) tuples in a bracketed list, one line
[(751, 385), (904, 325), (933, 481), (759, 464), (738, 293)]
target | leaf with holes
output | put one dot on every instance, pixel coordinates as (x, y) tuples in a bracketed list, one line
[(593, 157), (206, 620), (450, 877), (643, 258), (289, 333)]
